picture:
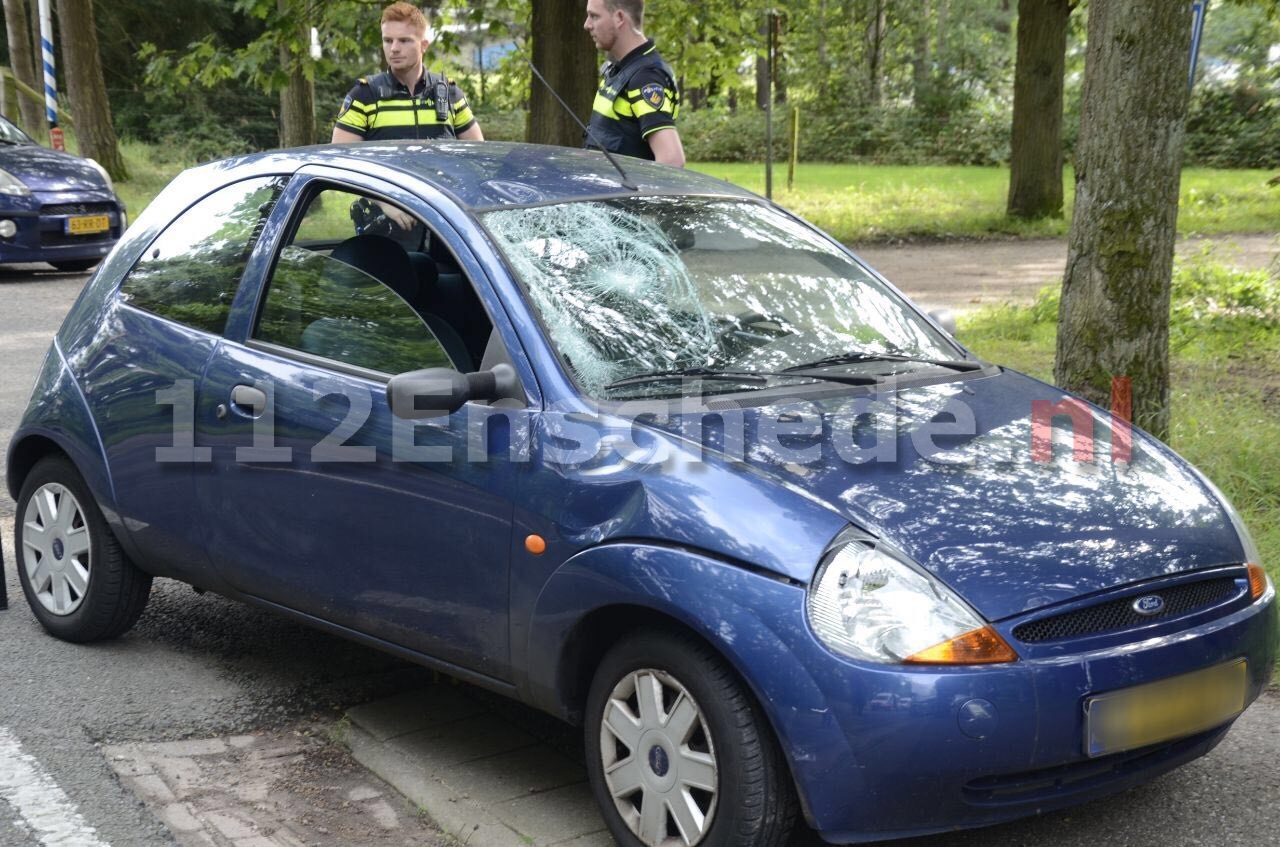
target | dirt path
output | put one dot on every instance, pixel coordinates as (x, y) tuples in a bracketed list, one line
[(972, 275)]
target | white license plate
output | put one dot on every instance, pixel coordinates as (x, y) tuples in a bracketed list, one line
[(88, 224), (1164, 710)]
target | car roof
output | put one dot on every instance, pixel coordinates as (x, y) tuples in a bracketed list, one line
[(484, 175)]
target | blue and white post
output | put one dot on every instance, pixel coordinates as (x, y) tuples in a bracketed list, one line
[(50, 78)]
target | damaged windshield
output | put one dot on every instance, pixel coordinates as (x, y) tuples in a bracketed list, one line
[(671, 285)]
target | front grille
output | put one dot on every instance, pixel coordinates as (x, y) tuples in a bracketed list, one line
[(78, 209), (1118, 615)]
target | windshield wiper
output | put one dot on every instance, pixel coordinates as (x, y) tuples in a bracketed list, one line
[(698, 373), (751, 377), (857, 356)]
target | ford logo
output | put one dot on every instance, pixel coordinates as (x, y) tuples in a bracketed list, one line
[(1150, 605)]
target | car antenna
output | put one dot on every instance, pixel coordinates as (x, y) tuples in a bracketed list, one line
[(626, 180)]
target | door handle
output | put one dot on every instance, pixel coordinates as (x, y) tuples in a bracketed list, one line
[(247, 400)]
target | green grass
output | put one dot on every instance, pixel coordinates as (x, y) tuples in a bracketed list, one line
[(866, 203), (1225, 380), (149, 171)]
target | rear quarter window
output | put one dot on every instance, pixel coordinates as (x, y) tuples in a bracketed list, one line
[(191, 272)]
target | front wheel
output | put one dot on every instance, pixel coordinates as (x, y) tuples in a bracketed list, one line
[(77, 580), (75, 265), (678, 754)]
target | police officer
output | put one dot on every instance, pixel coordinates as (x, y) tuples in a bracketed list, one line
[(408, 101), (636, 106)]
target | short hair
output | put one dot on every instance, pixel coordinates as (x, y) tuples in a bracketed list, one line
[(633, 8), (405, 13)]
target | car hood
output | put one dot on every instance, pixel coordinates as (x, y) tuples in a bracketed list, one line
[(44, 169), (986, 512)]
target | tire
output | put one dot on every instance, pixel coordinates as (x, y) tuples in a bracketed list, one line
[(697, 753), (75, 265), (77, 580)]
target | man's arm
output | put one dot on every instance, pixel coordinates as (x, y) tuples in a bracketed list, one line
[(341, 135), (666, 147), (472, 133)]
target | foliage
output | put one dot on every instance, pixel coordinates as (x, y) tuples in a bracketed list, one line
[(887, 134), (927, 83)]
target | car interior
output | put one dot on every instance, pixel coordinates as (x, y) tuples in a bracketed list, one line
[(334, 314)]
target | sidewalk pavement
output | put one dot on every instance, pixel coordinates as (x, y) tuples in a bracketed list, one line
[(480, 775)]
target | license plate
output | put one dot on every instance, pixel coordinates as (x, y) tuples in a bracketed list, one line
[(1165, 710), (88, 224)]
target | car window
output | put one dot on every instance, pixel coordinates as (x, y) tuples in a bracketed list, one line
[(655, 284), (354, 296), (190, 273)]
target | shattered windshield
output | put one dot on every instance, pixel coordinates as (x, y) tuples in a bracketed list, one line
[(709, 287)]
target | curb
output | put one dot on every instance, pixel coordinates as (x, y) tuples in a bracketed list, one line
[(484, 781)]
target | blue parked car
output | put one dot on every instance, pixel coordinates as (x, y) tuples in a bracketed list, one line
[(653, 455), (54, 207)]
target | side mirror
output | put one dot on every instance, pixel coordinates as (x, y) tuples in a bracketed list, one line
[(946, 319), (436, 392)]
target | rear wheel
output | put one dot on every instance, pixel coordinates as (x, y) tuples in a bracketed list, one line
[(77, 580), (678, 754)]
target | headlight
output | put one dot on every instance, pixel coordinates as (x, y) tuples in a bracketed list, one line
[(11, 185), (869, 603), (105, 176)]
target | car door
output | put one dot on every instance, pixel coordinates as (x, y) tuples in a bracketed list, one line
[(139, 371), (320, 500)]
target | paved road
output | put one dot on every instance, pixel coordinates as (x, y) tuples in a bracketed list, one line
[(199, 666), (974, 274), (194, 667)]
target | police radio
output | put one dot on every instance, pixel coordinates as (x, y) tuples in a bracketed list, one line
[(442, 101)]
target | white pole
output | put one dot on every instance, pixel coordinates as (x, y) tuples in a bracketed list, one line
[(46, 50)]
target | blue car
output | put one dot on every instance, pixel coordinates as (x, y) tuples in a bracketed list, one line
[(651, 454), (54, 207)]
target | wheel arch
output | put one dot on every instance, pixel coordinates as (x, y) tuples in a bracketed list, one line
[(748, 618), (721, 605)]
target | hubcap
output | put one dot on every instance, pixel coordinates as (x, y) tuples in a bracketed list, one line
[(56, 551), (659, 760)]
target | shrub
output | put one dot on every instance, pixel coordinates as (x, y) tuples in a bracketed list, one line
[(891, 134)]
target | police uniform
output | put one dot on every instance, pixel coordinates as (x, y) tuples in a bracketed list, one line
[(637, 97), (382, 107)]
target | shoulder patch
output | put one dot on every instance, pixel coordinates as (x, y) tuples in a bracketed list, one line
[(346, 104), (654, 95)]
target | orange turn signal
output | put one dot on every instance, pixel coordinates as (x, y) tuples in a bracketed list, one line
[(535, 544), (976, 647), (1257, 581)]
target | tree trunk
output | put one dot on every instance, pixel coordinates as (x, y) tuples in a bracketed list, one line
[(876, 33), (564, 54), (86, 88), (298, 97), (23, 60), (1114, 316), (1035, 164), (921, 60)]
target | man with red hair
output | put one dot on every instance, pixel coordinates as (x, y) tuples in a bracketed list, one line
[(407, 100)]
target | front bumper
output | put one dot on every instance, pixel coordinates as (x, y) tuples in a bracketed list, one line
[(42, 232), (899, 751)]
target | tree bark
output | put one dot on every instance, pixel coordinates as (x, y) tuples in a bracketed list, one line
[(877, 27), (564, 54), (1035, 165), (1114, 315), (86, 88), (23, 60), (298, 97), (921, 60)]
